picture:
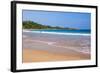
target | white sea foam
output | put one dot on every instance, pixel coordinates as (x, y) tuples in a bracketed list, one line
[(59, 33)]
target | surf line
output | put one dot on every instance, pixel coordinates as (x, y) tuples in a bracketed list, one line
[(53, 44), (46, 42), (73, 49)]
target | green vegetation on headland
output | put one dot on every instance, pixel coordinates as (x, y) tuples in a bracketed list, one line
[(34, 25)]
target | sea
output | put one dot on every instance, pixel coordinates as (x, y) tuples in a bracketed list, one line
[(61, 31)]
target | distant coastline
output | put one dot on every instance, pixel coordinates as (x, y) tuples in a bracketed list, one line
[(34, 25), (30, 26)]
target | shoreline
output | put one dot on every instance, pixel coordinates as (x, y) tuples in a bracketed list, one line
[(80, 34)]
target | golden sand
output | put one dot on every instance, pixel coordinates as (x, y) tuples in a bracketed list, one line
[(30, 55)]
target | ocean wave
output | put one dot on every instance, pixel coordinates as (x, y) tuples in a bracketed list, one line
[(59, 33)]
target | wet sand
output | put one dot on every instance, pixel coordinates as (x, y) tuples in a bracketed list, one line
[(39, 47)]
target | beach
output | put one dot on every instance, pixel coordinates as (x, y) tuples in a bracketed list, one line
[(43, 47)]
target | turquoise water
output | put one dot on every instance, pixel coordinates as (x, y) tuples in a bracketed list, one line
[(63, 31)]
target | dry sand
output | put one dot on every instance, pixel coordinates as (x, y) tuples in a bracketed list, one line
[(30, 55)]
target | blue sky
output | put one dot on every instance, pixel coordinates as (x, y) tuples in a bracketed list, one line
[(62, 19)]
